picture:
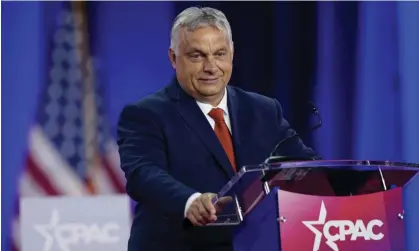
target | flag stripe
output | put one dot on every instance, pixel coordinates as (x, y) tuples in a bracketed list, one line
[(112, 158), (16, 234), (47, 158), (102, 182), (14, 247), (40, 178), (15, 227), (29, 186), (112, 176)]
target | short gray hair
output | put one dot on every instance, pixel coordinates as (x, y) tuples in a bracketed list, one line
[(193, 18)]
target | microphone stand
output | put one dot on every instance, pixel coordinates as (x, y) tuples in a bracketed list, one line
[(272, 159)]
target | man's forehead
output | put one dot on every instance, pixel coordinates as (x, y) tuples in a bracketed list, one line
[(204, 34)]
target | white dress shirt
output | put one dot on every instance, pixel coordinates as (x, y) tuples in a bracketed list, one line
[(206, 108)]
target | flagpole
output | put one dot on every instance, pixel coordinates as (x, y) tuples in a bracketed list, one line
[(90, 133)]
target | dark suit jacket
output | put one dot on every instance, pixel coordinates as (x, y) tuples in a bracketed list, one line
[(169, 151)]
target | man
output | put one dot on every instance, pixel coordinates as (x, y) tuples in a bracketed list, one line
[(180, 145)]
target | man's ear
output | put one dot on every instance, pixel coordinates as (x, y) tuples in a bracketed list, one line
[(232, 51), (172, 57)]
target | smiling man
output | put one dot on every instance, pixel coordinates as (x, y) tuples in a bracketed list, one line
[(180, 145), (203, 60)]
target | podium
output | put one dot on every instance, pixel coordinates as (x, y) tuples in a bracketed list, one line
[(338, 205)]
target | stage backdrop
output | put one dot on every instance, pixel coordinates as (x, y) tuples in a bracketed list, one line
[(368, 84), (357, 61)]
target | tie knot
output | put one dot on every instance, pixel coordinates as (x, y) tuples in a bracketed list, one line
[(217, 114)]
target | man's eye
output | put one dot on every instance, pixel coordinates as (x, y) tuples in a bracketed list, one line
[(195, 55), (219, 54)]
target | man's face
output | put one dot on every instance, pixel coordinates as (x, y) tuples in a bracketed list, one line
[(204, 63)]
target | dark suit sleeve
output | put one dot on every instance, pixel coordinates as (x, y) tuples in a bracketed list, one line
[(294, 146), (143, 155)]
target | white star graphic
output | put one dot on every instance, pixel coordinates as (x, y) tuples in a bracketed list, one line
[(45, 230), (320, 221)]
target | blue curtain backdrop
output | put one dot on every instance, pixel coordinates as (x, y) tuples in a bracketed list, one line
[(358, 61), (368, 84), (22, 74)]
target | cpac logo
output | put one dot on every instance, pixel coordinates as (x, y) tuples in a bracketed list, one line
[(344, 228), (68, 234)]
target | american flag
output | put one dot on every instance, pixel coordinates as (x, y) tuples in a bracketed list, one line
[(70, 148)]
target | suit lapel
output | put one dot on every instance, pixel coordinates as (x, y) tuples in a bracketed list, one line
[(239, 122), (189, 111)]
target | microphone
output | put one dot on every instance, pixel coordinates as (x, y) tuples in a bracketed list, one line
[(273, 158), (276, 159)]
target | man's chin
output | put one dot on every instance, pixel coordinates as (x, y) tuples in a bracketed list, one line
[(212, 92)]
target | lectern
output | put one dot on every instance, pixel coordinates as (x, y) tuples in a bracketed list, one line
[(320, 205)]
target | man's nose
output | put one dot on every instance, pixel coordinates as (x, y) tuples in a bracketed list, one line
[(210, 66)]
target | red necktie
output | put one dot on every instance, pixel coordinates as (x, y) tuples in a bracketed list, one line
[(223, 134)]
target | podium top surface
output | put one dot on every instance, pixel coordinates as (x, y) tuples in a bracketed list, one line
[(307, 173), (311, 177), (355, 165)]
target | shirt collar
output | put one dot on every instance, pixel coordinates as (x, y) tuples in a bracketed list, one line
[(206, 108)]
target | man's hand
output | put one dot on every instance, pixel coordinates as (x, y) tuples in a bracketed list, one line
[(202, 211)]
